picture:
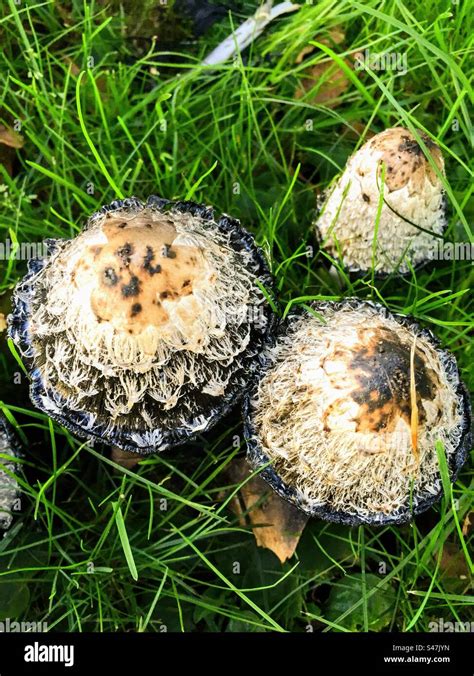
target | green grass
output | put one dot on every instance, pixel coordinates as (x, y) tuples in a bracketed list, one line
[(101, 548)]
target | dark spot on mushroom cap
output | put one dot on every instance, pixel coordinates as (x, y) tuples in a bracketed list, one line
[(132, 288), (110, 277), (166, 251), (125, 252), (382, 369), (134, 254), (147, 262), (136, 309), (365, 197), (411, 145), (399, 148)]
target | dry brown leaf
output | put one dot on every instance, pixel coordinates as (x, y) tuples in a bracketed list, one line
[(6, 158), (453, 563), (334, 36), (276, 524), (125, 458), (334, 82), (307, 49), (10, 138), (75, 70), (64, 13), (10, 141), (468, 523)]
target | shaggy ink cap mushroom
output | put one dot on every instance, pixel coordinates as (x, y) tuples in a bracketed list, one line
[(347, 411), (146, 328), (9, 492), (413, 213)]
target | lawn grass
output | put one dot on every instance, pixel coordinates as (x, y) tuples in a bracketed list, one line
[(103, 115)]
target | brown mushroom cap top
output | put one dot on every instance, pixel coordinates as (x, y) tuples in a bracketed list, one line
[(137, 270), (404, 158), (370, 376)]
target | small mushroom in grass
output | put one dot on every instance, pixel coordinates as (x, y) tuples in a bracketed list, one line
[(413, 212), (10, 447), (146, 328), (348, 410)]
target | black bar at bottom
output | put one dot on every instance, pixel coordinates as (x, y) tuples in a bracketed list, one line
[(52, 653)]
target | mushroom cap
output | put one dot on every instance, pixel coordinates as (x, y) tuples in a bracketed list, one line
[(146, 328), (10, 446), (330, 417), (412, 217)]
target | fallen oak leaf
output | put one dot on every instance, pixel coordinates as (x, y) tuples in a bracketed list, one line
[(277, 525), (453, 563), (125, 458), (329, 76), (334, 36), (307, 49), (332, 83), (468, 523), (11, 138)]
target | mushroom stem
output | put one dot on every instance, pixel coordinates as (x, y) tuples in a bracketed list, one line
[(125, 458)]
